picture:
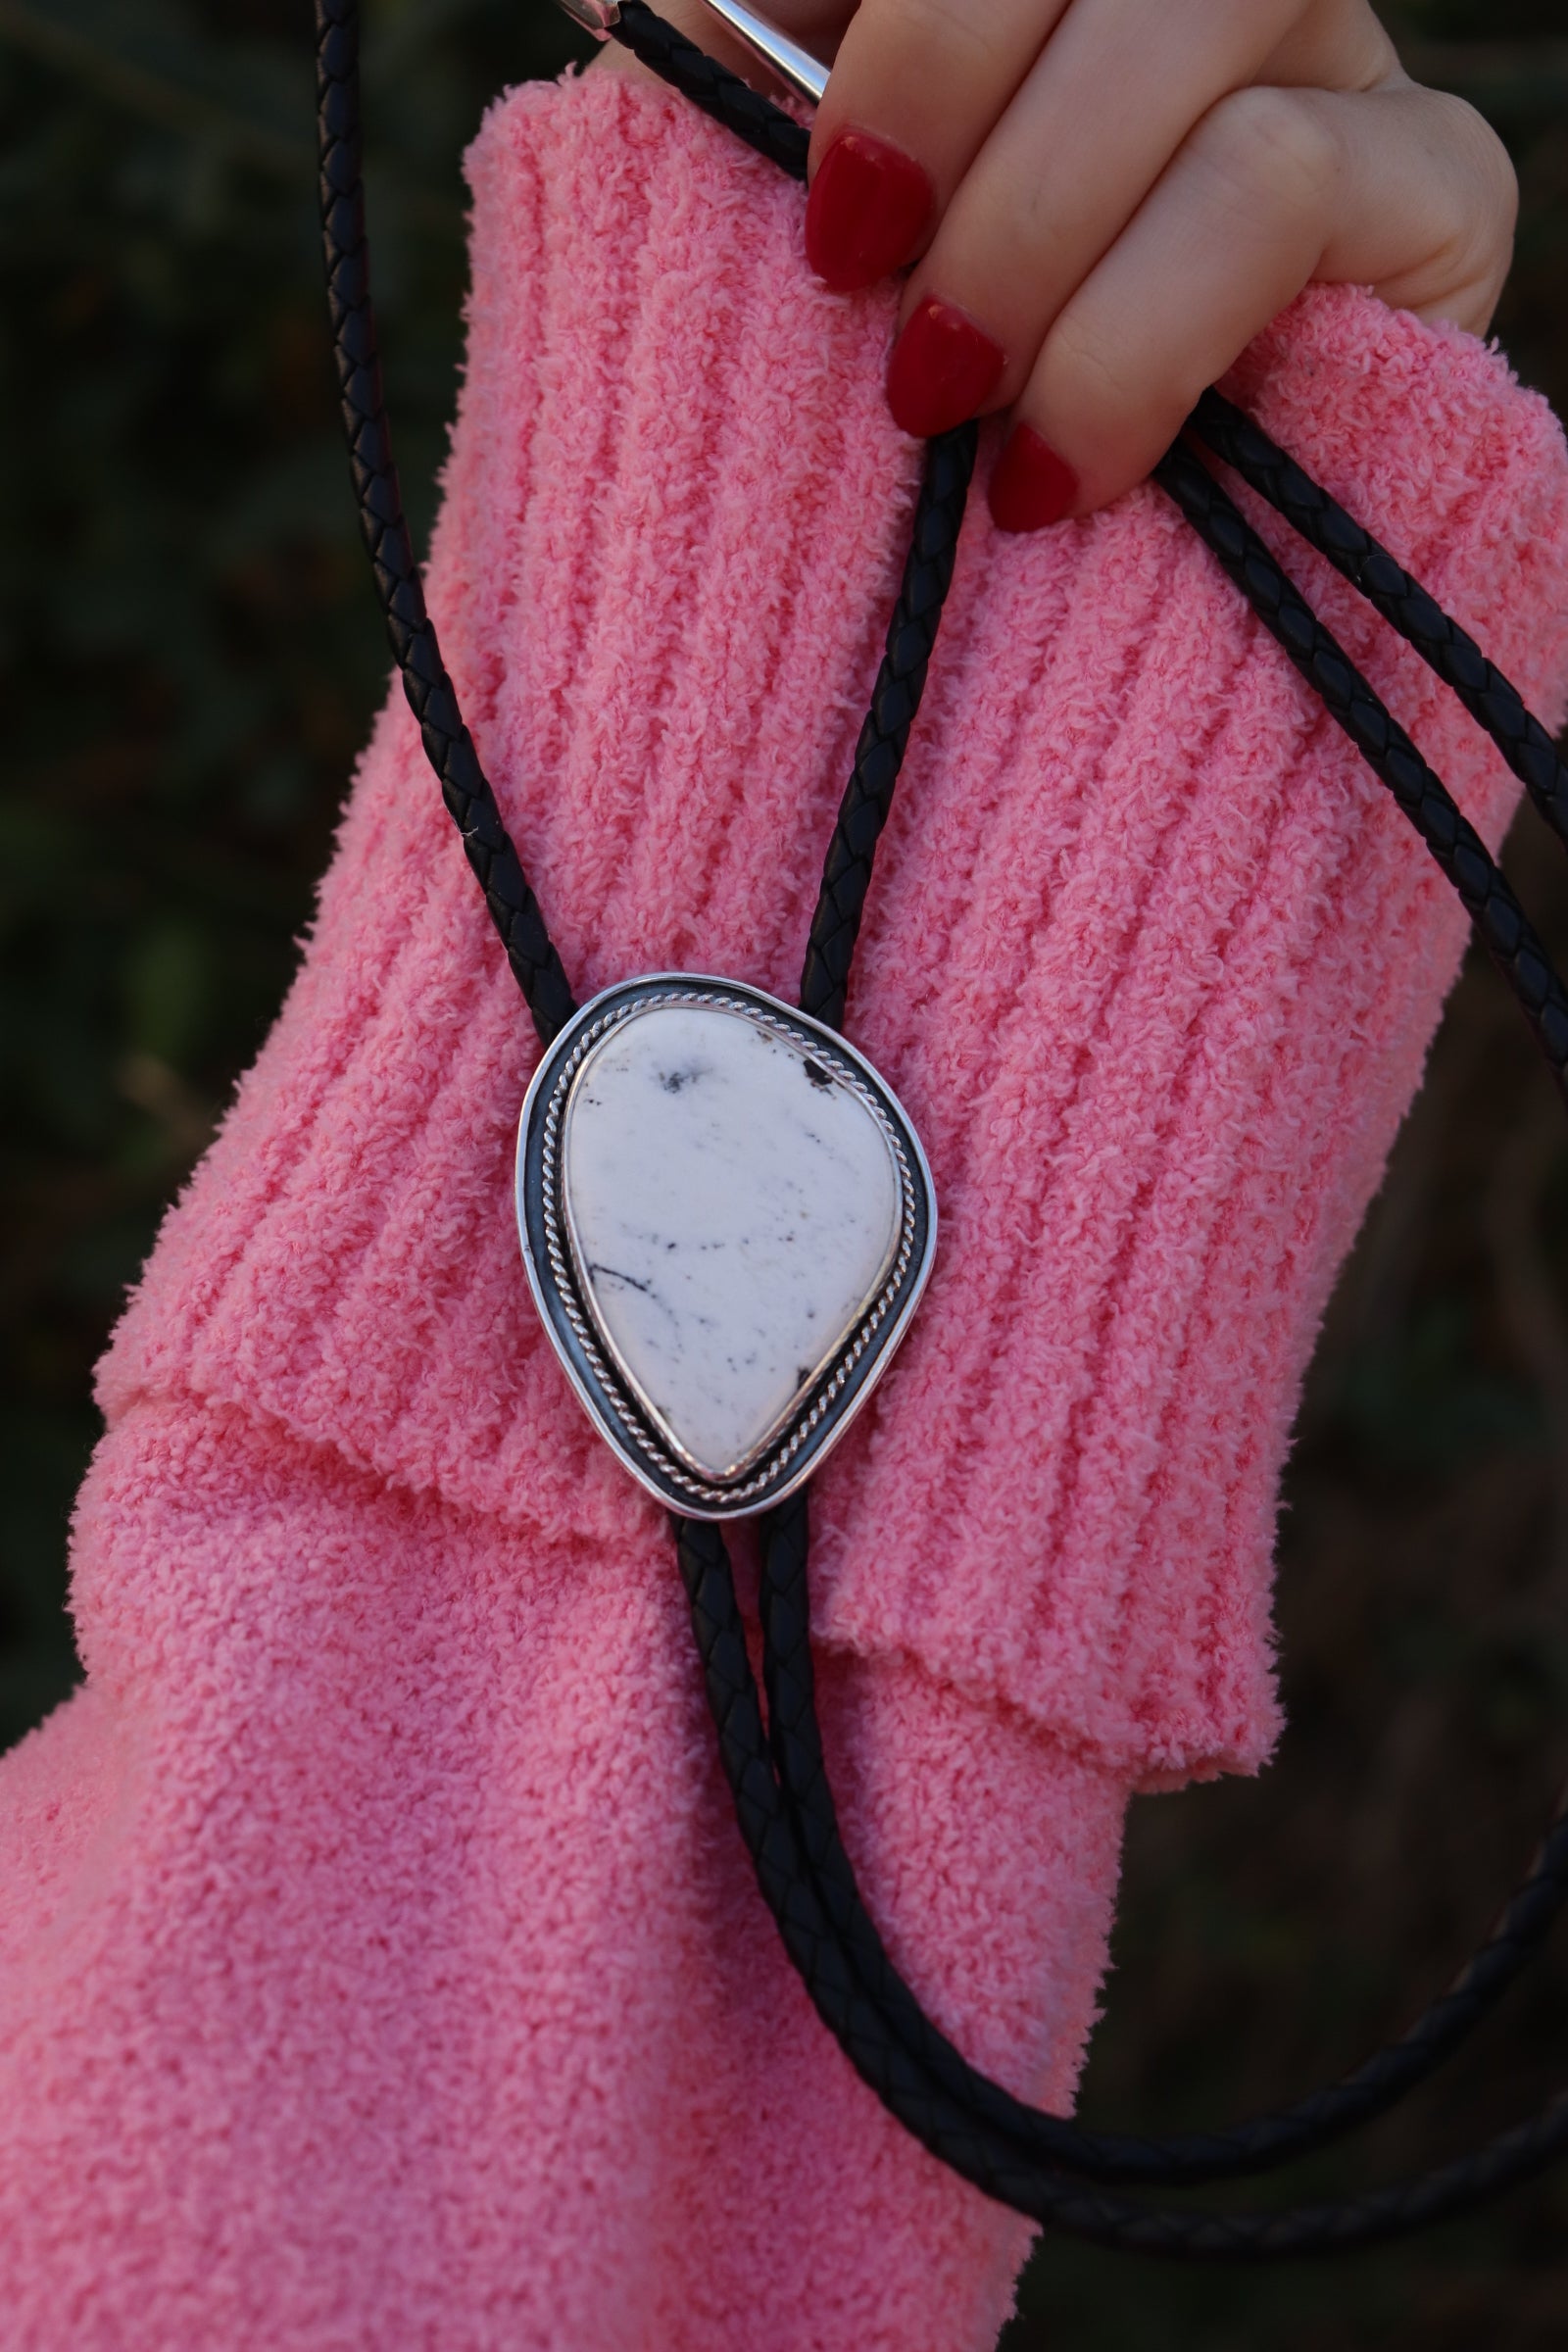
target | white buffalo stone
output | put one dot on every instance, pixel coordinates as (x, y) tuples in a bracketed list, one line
[(734, 1207)]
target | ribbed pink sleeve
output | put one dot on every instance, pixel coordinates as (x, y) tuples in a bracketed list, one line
[(1150, 955)]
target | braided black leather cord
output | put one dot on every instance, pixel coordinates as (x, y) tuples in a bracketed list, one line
[(999, 2167), (1500, 920), (1256, 2145), (928, 568), (884, 738), (1494, 704), (464, 786), (1004, 2127), (709, 85), (782, 1798)]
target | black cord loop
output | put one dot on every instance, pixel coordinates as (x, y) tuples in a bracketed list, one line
[(847, 2006), (783, 1802), (1189, 2159)]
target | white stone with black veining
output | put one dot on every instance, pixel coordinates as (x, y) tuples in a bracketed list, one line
[(734, 1209)]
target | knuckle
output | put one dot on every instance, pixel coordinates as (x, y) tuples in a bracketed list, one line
[(1482, 187), (1461, 241), (1269, 147)]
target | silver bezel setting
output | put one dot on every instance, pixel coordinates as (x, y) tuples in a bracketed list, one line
[(620, 1413)]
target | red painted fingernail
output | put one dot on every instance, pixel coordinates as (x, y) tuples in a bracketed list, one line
[(1030, 485), (868, 206), (943, 366)]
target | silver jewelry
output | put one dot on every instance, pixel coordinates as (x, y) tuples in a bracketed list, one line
[(727, 1222), (795, 66)]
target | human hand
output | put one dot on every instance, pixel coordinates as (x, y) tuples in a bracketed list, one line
[(1104, 201)]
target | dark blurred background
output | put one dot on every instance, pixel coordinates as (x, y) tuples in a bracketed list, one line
[(191, 657)]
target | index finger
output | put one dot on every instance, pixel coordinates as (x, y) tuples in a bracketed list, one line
[(916, 90)]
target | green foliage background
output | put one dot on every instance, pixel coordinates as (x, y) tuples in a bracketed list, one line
[(190, 657)]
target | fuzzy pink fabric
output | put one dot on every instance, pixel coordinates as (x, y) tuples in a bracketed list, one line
[(380, 1965)]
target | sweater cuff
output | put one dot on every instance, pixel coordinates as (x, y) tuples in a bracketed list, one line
[(1150, 956)]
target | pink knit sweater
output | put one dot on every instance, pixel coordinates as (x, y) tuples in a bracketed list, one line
[(380, 1965)]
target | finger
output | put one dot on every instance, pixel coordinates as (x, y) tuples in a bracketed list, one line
[(1055, 185), (915, 88), (1336, 45), (1273, 189), (1430, 206)]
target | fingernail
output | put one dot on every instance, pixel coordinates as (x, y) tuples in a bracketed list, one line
[(869, 201), (943, 366), (1030, 485)]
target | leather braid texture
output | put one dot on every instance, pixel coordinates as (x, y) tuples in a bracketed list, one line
[(842, 1984), (1191, 2158), (1498, 919), (708, 84), (464, 786), (884, 738), (1402, 600), (783, 1802)]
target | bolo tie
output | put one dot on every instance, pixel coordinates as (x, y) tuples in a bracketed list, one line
[(722, 1334)]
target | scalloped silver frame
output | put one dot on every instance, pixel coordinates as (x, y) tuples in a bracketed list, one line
[(842, 1383)]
